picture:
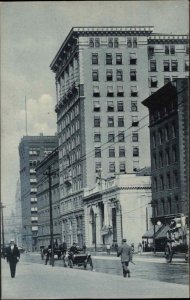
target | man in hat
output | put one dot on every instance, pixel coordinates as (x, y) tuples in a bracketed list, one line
[(13, 256), (126, 254)]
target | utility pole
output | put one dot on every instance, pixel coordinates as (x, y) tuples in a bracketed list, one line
[(49, 173), (2, 224), (147, 221)]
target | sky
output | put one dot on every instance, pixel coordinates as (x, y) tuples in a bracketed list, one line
[(31, 34)]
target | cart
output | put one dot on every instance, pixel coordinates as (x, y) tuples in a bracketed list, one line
[(177, 239)]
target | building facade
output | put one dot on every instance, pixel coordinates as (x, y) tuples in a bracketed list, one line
[(169, 143), (32, 150), (48, 164), (102, 74), (117, 208)]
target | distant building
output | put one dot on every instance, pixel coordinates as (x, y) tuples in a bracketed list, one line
[(117, 208), (32, 150), (102, 74), (50, 163), (169, 144)]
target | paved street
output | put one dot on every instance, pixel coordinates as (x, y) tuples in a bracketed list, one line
[(34, 280)]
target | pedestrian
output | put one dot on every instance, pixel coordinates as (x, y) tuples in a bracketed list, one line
[(13, 256), (84, 248), (125, 252), (139, 248), (108, 247), (48, 254)]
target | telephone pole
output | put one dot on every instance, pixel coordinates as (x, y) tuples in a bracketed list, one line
[(2, 224), (49, 173)]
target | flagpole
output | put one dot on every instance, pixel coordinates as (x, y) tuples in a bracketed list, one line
[(26, 116)]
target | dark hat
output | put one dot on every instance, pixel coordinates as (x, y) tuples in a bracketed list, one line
[(124, 240)]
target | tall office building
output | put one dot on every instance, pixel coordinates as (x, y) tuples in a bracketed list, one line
[(32, 150), (102, 74)]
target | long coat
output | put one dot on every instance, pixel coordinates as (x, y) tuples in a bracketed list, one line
[(13, 255), (125, 252)]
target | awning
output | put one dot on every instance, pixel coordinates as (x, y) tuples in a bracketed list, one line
[(96, 89), (110, 89), (150, 233), (120, 89), (187, 63), (133, 56), (163, 232), (97, 104), (154, 79), (133, 89)]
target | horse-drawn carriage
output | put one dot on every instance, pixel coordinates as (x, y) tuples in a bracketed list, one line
[(177, 238)]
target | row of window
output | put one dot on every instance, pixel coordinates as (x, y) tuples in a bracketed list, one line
[(168, 65), (166, 206), (120, 137), (111, 152), (119, 75), (168, 49), (111, 92), (167, 181), (165, 158), (163, 135), (110, 121), (113, 42), (112, 167), (111, 59), (111, 106)]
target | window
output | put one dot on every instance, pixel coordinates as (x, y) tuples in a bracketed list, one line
[(135, 121), (110, 92), (97, 42), (174, 154), (161, 160), (121, 136), (120, 106), (173, 130), (108, 59), (96, 91), (134, 106), (153, 81), (155, 184), (163, 206), (97, 137), (153, 66), (167, 157), (177, 204), (121, 151), (111, 152), (135, 137), (154, 140), (96, 121), (167, 50), (129, 42), (116, 43), (94, 58), (166, 80), (168, 181), (166, 65), (95, 76), (96, 105), (187, 49), (110, 121), (134, 42), (97, 152), (150, 51), (110, 106), (135, 151), (120, 121), (133, 76), (118, 59), (186, 65), (91, 42), (154, 161), (174, 65), (172, 49), (122, 167), (169, 205), (175, 178), (120, 92), (134, 92), (133, 59), (119, 75), (112, 167), (98, 166), (111, 137), (166, 133), (109, 75), (161, 182), (110, 42), (160, 136)]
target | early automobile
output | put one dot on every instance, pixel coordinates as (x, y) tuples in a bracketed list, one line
[(177, 238), (78, 258)]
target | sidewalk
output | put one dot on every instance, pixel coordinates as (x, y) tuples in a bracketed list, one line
[(36, 281)]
